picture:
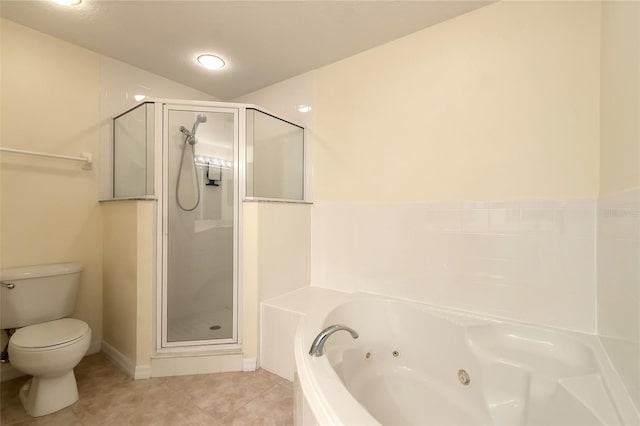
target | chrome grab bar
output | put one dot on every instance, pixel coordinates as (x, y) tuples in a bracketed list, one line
[(10, 286)]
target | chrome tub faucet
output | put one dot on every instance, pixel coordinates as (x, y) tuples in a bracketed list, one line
[(317, 347)]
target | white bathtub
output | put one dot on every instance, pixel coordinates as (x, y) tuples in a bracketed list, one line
[(404, 370)]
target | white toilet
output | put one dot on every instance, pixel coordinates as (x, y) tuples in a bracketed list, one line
[(35, 301)]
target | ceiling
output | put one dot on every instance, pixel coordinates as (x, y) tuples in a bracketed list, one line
[(263, 42)]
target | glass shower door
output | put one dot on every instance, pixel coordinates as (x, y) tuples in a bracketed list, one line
[(199, 226)]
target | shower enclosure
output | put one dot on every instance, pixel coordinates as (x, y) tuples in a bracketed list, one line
[(200, 199), (196, 158)]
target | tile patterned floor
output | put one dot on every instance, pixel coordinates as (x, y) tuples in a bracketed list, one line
[(108, 397)]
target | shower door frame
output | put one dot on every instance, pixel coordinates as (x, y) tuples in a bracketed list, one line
[(162, 181)]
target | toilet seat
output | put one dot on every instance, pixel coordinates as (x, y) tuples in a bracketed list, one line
[(49, 335)]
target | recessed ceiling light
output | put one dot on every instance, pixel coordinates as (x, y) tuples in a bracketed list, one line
[(68, 2), (211, 62), (139, 97), (304, 108)]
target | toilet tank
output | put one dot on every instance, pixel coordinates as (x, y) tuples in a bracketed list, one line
[(40, 293)]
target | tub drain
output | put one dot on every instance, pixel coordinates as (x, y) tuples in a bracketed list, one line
[(215, 327)]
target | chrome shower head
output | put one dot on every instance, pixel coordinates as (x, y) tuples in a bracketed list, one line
[(190, 136), (201, 118)]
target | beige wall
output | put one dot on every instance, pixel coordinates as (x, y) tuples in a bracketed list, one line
[(146, 279), (485, 127), (620, 97), (49, 207), (499, 104), (618, 249), (129, 274), (284, 235), (276, 236), (276, 258), (120, 275), (55, 95), (249, 280)]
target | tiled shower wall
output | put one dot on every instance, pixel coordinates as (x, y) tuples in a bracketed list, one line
[(528, 261), (619, 284)]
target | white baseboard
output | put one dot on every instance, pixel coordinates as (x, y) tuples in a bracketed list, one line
[(119, 359), (132, 370), (181, 364), (249, 364), (94, 348), (142, 372)]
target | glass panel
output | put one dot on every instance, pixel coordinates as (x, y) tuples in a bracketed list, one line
[(275, 157), (133, 152), (200, 197)]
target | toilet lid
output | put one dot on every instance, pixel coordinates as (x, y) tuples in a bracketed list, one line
[(50, 333)]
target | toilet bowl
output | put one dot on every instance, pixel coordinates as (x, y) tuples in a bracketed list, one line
[(49, 351), (36, 302)]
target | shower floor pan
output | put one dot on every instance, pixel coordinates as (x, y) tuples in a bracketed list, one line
[(215, 324)]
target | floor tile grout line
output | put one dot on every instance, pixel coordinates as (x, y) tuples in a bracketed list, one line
[(255, 397), (206, 414), (192, 406)]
